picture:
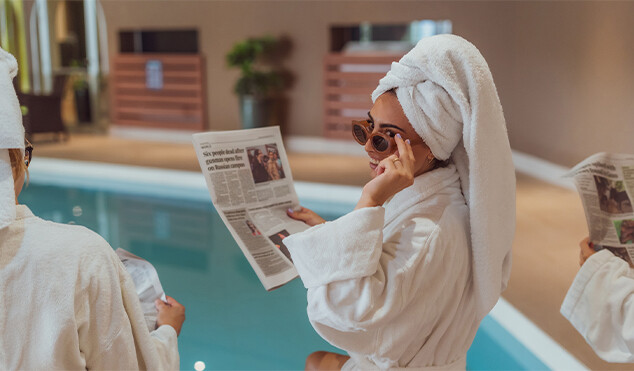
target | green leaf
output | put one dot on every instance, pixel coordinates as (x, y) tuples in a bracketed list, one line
[(244, 56)]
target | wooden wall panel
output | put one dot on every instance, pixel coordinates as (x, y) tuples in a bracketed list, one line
[(348, 84), (179, 104)]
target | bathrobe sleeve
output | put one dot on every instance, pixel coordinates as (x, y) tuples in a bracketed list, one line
[(358, 284), (600, 305), (347, 248), (112, 331)]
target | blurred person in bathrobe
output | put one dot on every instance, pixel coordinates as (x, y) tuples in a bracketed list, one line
[(68, 303), (404, 280), (600, 303)]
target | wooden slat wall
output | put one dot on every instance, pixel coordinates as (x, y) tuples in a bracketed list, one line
[(348, 83), (180, 104)]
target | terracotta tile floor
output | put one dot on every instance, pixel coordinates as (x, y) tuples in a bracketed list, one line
[(550, 223)]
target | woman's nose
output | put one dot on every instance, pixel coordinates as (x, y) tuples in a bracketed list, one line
[(368, 146)]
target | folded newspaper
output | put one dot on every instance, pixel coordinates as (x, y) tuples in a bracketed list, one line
[(251, 187), (147, 284), (605, 183)]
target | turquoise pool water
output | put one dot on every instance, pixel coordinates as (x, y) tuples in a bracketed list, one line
[(232, 322)]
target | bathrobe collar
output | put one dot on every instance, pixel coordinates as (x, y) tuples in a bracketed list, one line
[(425, 185)]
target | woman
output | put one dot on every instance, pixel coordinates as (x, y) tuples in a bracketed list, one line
[(258, 168), (404, 280), (67, 301), (278, 163), (271, 166), (599, 304)]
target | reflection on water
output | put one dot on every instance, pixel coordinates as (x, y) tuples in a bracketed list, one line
[(232, 322), (164, 231)]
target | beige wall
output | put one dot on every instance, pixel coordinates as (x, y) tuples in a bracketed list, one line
[(571, 91), (563, 70)]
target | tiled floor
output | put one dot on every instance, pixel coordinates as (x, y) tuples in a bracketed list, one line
[(550, 223)]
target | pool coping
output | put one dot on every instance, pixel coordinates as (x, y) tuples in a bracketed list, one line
[(153, 182)]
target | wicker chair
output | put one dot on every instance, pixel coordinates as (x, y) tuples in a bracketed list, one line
[(44, 111)]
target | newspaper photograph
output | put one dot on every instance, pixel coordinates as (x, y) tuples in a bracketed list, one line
[(147, 284), (251, 186), (605, 183)]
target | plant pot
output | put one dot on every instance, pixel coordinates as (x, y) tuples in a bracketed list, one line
[(255, 111), (82, 104)]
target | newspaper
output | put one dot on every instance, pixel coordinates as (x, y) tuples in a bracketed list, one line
[(606, 185), (147, 284), (251, 186)]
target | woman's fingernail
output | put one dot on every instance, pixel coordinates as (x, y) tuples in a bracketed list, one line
[(407, 141), (398, 135), (290, 210)]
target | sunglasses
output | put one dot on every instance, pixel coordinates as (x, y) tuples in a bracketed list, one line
[(28, 152), (381, 142)]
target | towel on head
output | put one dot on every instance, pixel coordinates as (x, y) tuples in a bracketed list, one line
[(446, 90), (11, 135)]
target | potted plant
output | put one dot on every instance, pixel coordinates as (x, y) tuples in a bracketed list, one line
[(259, 80), (82, 101), (81, 93)]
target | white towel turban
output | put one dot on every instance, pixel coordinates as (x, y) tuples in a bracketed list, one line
[(11, 135), (446, 90)]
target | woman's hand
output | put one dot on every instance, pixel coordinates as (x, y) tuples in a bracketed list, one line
[(394, 173), (171, 313), (306, 215), (586, 250)]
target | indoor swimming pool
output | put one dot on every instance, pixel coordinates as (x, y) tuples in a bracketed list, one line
[(167, 218)]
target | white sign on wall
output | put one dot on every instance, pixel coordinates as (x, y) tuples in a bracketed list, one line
[(154, 74)]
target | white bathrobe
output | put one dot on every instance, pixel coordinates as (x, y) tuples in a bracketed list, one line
[(392, 285), (68, 303), (600, 305)]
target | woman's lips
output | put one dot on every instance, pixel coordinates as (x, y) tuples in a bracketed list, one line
[(373, 163)]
